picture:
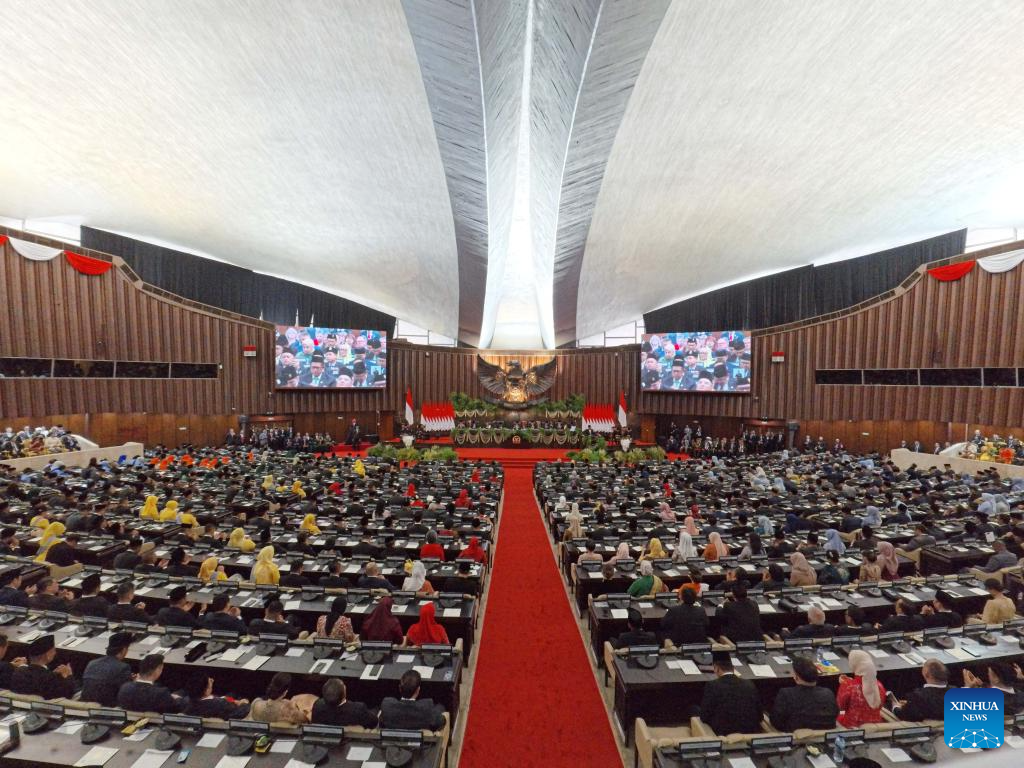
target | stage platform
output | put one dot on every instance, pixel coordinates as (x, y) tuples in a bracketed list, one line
[(76, 458), (903, 458)]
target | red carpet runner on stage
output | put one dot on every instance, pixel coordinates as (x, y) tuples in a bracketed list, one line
[(535, 700)]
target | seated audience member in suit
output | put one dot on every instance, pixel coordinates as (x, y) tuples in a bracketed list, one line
[(273, 622), (417, 528), (860, 697), (9, 544), (780, 547), (11, 592), (126, 609), (333, 707), (222, 616), (103, 677), (463, 583), (295, 578), (815, 626), (409, 712), (372, 578), (334, 579), (63, 553), (635, 633), (906, 618), (181, 563), (940, 613), (202, 702), (49, 596), (774, 578), (741, 618), (1004, 677), (927, 702), (685, 622), (730, 704), (178, 612), (130, 558), (855, 622), (998, 608), (37, 679), (7, 667), (91, 603), (1001, 558), (145, 693), (367, 546), (804, 705), (275, 706)]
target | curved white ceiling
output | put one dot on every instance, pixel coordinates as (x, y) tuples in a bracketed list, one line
[(766, 135), (288, 137)]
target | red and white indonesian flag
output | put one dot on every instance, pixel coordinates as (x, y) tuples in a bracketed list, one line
[(622, 408), (410, 415)]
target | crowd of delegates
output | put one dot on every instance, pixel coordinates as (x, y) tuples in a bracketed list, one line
[(1004, 450), (301, 490), (326, 358), (279, 439), (35, 442), (834, 503), (692, 440), (718, 362)]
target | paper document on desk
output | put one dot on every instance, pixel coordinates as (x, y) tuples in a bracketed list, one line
[(620, 613), (762, 670), (229, 761), (233, 654), (451, 613), (153, 758), (293, 605), (766, 608), (96, 756), (960, 653), (372, 672), (425, 672), (284, 747), (256, 662)]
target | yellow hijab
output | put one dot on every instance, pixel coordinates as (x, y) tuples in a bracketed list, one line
[(297, 489), (149, 510), (39, 521), (266, 571), (169, 512), (655, 551), (53, 530), (208, 570), (359, 468), (309, 524), (238, 540), (268, 482)]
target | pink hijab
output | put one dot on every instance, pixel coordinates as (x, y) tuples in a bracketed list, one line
[(691, 527), (665, 513), (863, 666), (888, 560)]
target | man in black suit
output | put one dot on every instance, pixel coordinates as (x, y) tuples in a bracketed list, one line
[(103, 677), (410, 712), (91, 603), (127, 560), (815, 626), (940, 613), (7, 667), (126, 609), (222, 616), (202, 702), (927, 702), (11, 592), (334, 579), (741, 618), (366, 545), (730, 703), (145, 694), (685, 622), (333, 708), (372, 578), (635, 633), (50, 597), (37, 679), (804, 705), (294, 576), (906, 618), (273, 622), (178, 612)]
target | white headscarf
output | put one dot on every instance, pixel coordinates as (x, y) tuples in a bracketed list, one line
[(863, 666), (685, 549), (414, 581)]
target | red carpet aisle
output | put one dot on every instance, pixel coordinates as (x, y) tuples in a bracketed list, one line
[(535, 699)]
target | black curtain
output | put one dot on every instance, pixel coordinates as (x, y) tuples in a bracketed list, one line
[(234, 288), (804, 292)]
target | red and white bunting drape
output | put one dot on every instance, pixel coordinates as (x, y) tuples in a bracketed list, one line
[(87, 265), (437, 417), (1000, 262), (599, 418)]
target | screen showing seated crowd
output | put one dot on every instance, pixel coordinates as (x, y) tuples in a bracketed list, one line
[(307, 357), (697, 361)]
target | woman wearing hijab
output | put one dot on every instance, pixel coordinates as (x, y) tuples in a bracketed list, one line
[(716, 548), (872, 517), (801, 574), (265, 571), (309, 524), (268, 483), (149, 510), (753, 547), (297, 489), (622, 553), (170, 512), (381, 626), (463, 500), (665, 513), (860, 697), (416, 581), (690, 527), (888, 560), (238, 540), (474, 551), (41, 520), (684, 549), (212, 570), (648, 584), (655, 551), (426, 630), (765, 526), (336, 625), (50, 537), (574, 521), (834, 542)]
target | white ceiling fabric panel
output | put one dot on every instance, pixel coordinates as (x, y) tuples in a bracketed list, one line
[(766, 135), (289, 137)]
